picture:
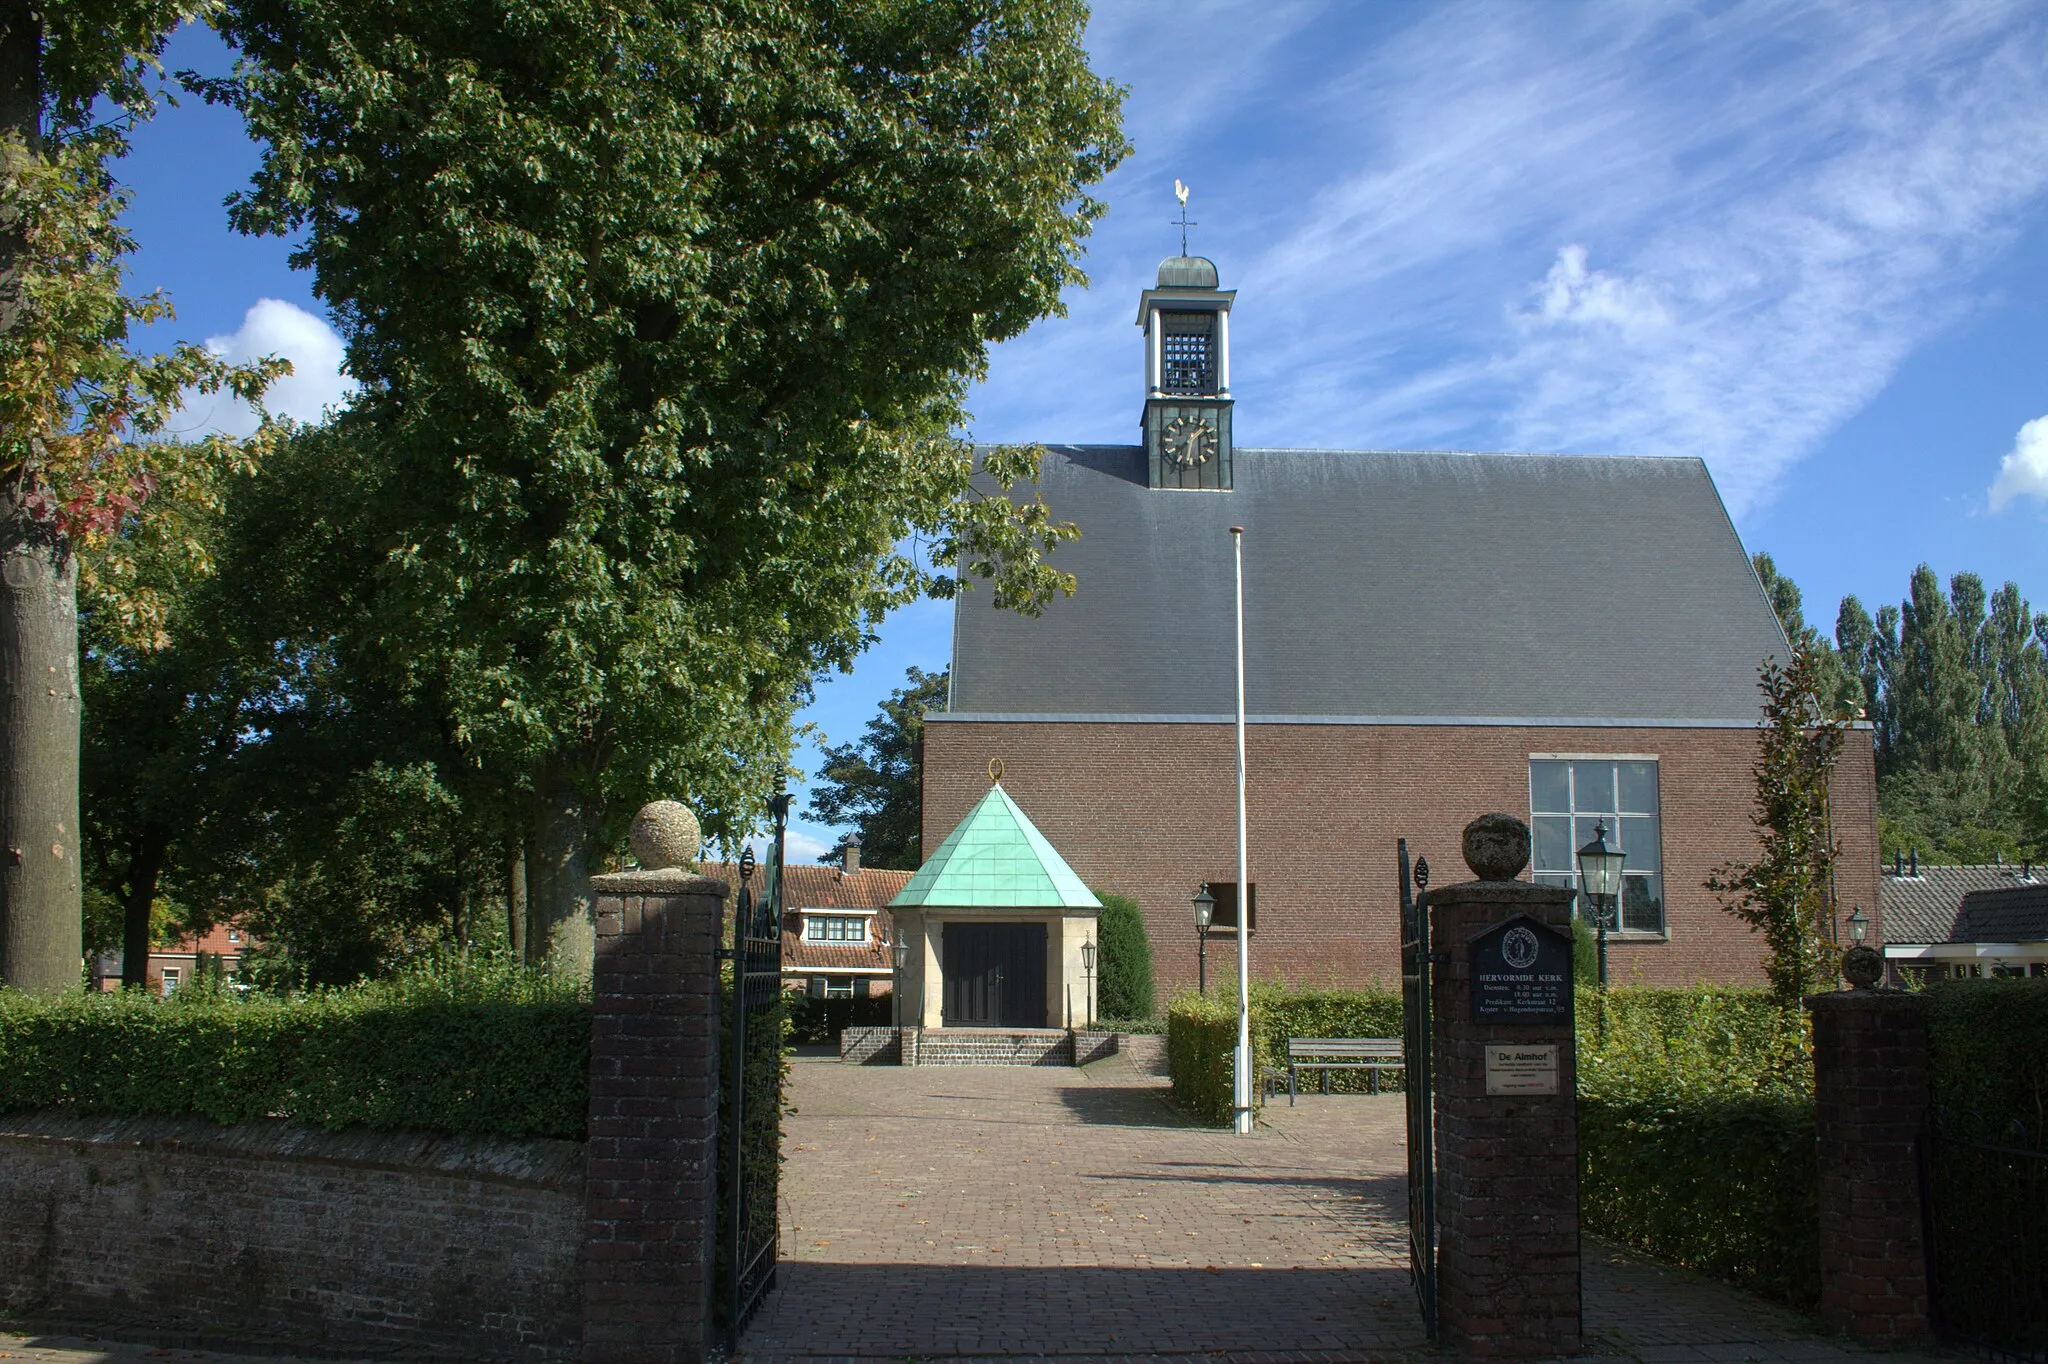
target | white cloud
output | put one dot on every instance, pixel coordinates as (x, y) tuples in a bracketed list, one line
[(272, 327), (1571, 293), (2025, 471), (1710, 231)]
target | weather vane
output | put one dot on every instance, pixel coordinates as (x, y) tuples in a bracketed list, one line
[(1180, 192)]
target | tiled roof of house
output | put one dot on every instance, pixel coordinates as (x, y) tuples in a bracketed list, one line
[(1382, 584), (827, 886), (2006, 914), (1923, 907)]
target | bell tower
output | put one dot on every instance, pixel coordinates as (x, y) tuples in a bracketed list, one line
[(1187, 376)]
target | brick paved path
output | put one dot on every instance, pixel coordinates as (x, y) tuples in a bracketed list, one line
[(968, 1212)]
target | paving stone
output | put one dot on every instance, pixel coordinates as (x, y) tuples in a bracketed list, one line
[(1020, 1213)]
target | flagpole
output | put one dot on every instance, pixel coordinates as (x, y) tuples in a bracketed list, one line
[(1242, 1096)]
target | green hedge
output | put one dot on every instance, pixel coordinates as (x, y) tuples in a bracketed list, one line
[(1696, 1130), (447, 1048), (1201, 1036), (1988, 1051)]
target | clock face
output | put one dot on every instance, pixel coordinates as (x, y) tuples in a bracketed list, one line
[(1188, 441)]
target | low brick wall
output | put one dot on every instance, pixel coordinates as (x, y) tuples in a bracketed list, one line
[(276, 1235), (1093, 1046), (871, 1047)]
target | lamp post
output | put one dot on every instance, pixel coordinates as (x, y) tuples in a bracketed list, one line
[(1088, 977), (900, 950), (1600, 878), (1205, 911)]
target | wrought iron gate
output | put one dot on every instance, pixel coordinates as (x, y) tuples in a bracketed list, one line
[(1420, 1085), (750, 1159), (1984, 1192)]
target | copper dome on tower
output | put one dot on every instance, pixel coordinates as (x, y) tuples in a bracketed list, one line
[(1187, 272)]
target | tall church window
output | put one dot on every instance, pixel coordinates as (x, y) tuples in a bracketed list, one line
[(1187, 353), (1568, 798)]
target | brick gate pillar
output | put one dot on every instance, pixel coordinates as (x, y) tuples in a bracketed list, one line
[(1507, 1133), (651, 1182), (1870, 1105)]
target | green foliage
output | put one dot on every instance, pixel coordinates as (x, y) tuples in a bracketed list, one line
[(1955, 686), (1124, 986), (816, 1021), (1787, 893), (877, 784), (1988, 1051), (665, 316), (1696, 1130), (1585, 957), (1201, 1037), (451, 1045)]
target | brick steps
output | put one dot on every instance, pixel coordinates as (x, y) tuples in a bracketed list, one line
[(994, 1047)]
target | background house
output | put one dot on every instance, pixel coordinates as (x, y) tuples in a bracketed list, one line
[(179, 963), (1428, 637), (836, 929), (1963, 922)]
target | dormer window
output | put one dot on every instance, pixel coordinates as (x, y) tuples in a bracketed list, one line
[(1187, 354), (835, 928)]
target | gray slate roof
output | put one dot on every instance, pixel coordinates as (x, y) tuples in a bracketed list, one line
[(2007, 914), (1926, 907), (1384, 585)]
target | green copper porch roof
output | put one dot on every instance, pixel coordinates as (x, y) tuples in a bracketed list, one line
[(996, 858)]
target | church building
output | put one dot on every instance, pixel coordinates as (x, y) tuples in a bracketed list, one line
[(1427, 637)]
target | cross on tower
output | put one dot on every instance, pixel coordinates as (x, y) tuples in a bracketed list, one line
[(1181, 192)]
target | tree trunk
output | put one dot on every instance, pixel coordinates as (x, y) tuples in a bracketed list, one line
[(41, 944), (515, 898), (145, 869), (560, 930)]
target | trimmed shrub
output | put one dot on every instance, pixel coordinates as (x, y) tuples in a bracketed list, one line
[(1696, 1130), (1988, 1052), (1123, 984), (815, 1021), (1201, 1037), (447, 1047)]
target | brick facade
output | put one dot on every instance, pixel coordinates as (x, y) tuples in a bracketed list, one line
[(1507, 1186), (1148, 810), (1870, 1102), (652, 1182), (266, 1233)]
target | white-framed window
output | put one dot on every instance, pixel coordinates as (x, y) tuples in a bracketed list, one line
[(1569, 797), (835, 928), (839, 987), (171, 975)]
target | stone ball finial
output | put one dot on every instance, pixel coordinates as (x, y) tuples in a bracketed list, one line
[(1862, 967), (1496, 847), (665, 834)]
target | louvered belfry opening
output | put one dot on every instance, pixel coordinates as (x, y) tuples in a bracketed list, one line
[(1187, 354)]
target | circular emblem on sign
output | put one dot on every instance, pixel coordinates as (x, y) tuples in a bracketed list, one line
[(1518, 948), (1189, 441)]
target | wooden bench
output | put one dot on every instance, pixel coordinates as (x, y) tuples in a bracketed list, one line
[(1370, 1054)]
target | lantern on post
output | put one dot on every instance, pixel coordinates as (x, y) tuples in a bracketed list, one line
[(1205, 913), (1600, 880)]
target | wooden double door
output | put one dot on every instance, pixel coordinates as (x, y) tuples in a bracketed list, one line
[(995, 975)]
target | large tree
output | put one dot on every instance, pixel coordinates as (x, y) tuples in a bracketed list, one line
[(76, 408), (876, 784), (664, 312)]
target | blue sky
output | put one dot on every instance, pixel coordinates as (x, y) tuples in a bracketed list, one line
[(1805, 242)]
